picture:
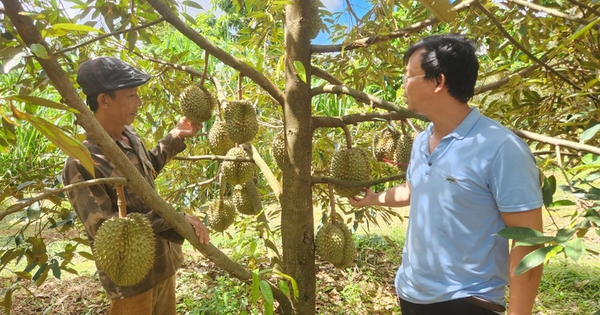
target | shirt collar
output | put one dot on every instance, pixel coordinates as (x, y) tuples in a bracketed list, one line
[(465, 126)]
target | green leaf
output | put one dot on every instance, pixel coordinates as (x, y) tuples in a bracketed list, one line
[(563, 235), (536, 240), (561, 203), (292, 281), (55, 268), (67, 144), (43, 102), (255, 287), (266, 291), (536, 258), (589, 133), (283, 286), (300, 70), (519, 233), (192, 4), (75, 27), (574, 248), (39, 51), (7, 302)]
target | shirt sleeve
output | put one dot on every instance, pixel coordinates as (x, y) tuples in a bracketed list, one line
[(514, 176)]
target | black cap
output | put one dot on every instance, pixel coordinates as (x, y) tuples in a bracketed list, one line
[(106, 74)]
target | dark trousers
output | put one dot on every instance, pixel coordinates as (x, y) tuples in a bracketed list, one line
[(452, 307)]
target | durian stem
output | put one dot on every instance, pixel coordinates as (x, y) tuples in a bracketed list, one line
[(206, 57), (121, 202), (348, 136), (239, 86), (332, 214)]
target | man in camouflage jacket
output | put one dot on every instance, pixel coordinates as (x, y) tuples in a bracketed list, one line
[(111, 88)]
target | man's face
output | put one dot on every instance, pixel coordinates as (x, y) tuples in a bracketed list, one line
[(417, 90), (124, 106)]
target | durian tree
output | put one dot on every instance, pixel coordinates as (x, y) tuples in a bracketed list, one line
[(539, 75)]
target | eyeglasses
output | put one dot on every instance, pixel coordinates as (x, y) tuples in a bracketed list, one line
[(406, 77)]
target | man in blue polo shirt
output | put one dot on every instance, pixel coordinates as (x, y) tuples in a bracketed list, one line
[(468, 178)]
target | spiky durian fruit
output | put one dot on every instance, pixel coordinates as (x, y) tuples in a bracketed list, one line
[(241, 200), (218, 140), (403, 149), (240, 121), (352, 165), (237, 172), (124, 248), (220, 214), (316, 23), (334, 244), (384, 143), (278, 148), (197, 103)]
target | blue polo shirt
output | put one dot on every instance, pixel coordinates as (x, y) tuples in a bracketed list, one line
[(457, 194)]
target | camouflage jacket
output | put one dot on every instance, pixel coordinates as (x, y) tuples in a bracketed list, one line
[(94, 204)]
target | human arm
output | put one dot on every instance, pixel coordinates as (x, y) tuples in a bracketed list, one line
[(523, 288), (398, 196)]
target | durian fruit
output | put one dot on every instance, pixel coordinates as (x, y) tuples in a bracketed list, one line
[(197, 103), (334, 244), (241, 121), (237, 172), (241, 201), (124, 248), (316, 23), (403, 149), (278, 148), (384, 144), (218, 140), (220, 214), (352, 165)]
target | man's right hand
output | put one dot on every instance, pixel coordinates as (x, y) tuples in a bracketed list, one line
[(363, 201)]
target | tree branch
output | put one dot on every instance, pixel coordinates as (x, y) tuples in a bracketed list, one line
[(211, 158), (373, 100), (219, 53), (365, 42), (525, 51), (22, 204), (554, 141), (553, 12), (494, 85), (330, 122)]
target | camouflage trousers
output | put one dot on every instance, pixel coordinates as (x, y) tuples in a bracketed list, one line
[(159, 300)]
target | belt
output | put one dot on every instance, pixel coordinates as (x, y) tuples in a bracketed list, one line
[(483, 303)]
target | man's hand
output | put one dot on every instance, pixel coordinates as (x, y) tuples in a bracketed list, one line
[(200, 229), (185, 128), (358, 202)]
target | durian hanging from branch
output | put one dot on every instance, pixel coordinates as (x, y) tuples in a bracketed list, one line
[(124, 245), (333, 241)]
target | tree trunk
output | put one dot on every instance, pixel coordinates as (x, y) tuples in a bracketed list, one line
[(297, 227)]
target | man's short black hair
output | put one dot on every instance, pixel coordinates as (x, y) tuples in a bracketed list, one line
[(452, 55), (92, 100)]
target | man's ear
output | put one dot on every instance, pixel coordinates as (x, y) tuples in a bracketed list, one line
[(101, 99), (440, 83)]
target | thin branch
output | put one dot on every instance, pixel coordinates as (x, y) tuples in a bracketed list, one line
[(546, 10), (376, 101), (525, 51), (494, 85), (365, 42), (554, 141), (320, 73), (347, 135), (330, 122), (583, 5), (206, 58), (22, 204), (349, 4), (212, 158), (95, 39), (327, 180)]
